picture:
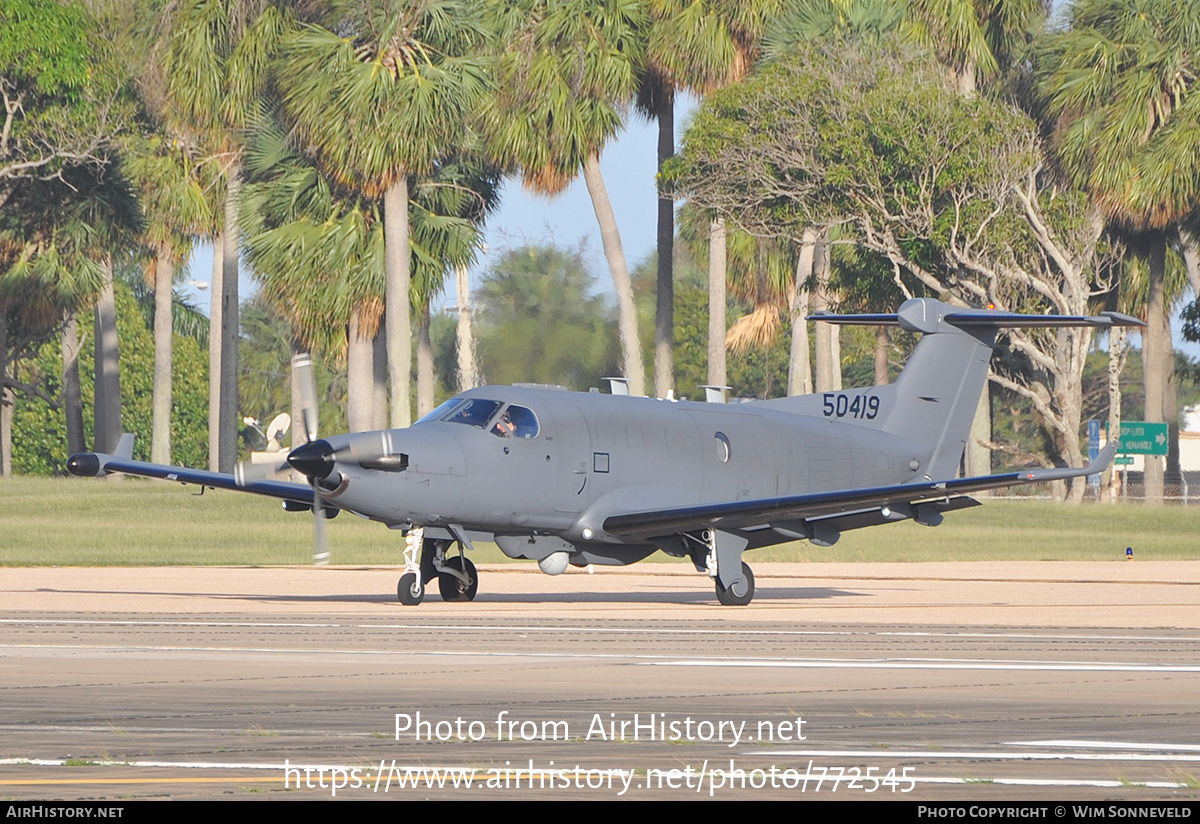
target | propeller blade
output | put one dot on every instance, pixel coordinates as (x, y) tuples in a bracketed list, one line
[(314, 458), (320, 547), (302, 370), (261, 466)]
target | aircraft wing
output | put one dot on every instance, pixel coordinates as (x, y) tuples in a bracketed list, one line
[(89, 464), (641, 526)]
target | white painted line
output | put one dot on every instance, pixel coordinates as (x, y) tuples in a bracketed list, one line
[(556, 628), (1107, 745), (918, 664), (658, 660), (981, 755), (824, 777)]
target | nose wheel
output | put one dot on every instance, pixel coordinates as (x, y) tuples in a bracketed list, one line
[(410, 591)]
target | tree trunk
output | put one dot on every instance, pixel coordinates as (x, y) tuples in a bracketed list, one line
[(716, 303), (72, 389), (425, 377), (1191, 260), (360, 376), (229, 420), (6, 415), (631, 349), (399, 324), (379, 409), (1172, 477), (6, 399), (977, 457), (882, 349), (215, 337), (800, 362), (828, 362), (1153, 360), (467, 373), (664, 307), (107, 422), (1117, 337), (164, 281)]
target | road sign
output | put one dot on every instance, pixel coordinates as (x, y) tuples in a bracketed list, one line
[(1123, 460), (1142, 438)]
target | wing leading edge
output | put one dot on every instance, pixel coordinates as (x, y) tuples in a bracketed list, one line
[(89, 464), (642, 526)]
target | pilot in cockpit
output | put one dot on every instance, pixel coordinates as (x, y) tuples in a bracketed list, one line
[(504, 426)]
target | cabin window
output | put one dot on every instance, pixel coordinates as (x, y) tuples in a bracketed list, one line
[(516, 422), (723, 449)]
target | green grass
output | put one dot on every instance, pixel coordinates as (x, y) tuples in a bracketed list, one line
[(134, 522)]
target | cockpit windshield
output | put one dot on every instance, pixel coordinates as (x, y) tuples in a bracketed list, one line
[(441, 410), (473, 412)]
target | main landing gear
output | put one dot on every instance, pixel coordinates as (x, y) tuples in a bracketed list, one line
[(720, 555), (457, 578), (730, 597)]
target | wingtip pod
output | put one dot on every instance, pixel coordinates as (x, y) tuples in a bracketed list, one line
[(84, 465)]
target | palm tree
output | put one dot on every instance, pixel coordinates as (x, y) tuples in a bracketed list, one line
[(690, 45), (566, 71), (216, 53), (1119, 83), (379, 101), (175, 210)]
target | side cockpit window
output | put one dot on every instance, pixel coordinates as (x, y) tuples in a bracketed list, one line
[(516, 422)]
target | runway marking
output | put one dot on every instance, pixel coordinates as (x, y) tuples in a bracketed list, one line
[(664, 661), (543, 628), (857, 754), (1107, 745), (923, 664), (981, 755)]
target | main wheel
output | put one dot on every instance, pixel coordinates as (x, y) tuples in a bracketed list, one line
[(453, 589), (409, 591), (729, 599)]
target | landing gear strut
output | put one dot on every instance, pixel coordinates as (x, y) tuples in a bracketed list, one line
[(732, 577), (424, 560)]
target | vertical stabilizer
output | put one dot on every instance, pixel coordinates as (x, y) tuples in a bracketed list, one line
[(936, 395)]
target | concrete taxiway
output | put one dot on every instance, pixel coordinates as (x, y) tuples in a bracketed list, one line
[(983, 681)]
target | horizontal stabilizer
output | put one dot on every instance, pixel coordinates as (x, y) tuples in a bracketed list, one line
[(924, 315)]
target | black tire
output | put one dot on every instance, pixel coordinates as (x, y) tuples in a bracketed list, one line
[(453, 589), (408, 591), (727, 598)]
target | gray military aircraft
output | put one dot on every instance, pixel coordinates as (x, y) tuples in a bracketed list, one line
[(570, 478)]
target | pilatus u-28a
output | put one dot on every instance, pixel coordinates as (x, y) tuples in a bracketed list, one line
[(569, 478)]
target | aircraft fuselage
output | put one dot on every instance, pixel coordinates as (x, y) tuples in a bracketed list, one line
[(593, 455)]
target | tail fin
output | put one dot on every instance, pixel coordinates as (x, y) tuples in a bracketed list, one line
[(939, 388)]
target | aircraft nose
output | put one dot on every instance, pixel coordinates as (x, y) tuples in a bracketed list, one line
[(312, 460)]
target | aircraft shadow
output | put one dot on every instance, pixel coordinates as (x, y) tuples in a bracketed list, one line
[(701, 596)]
